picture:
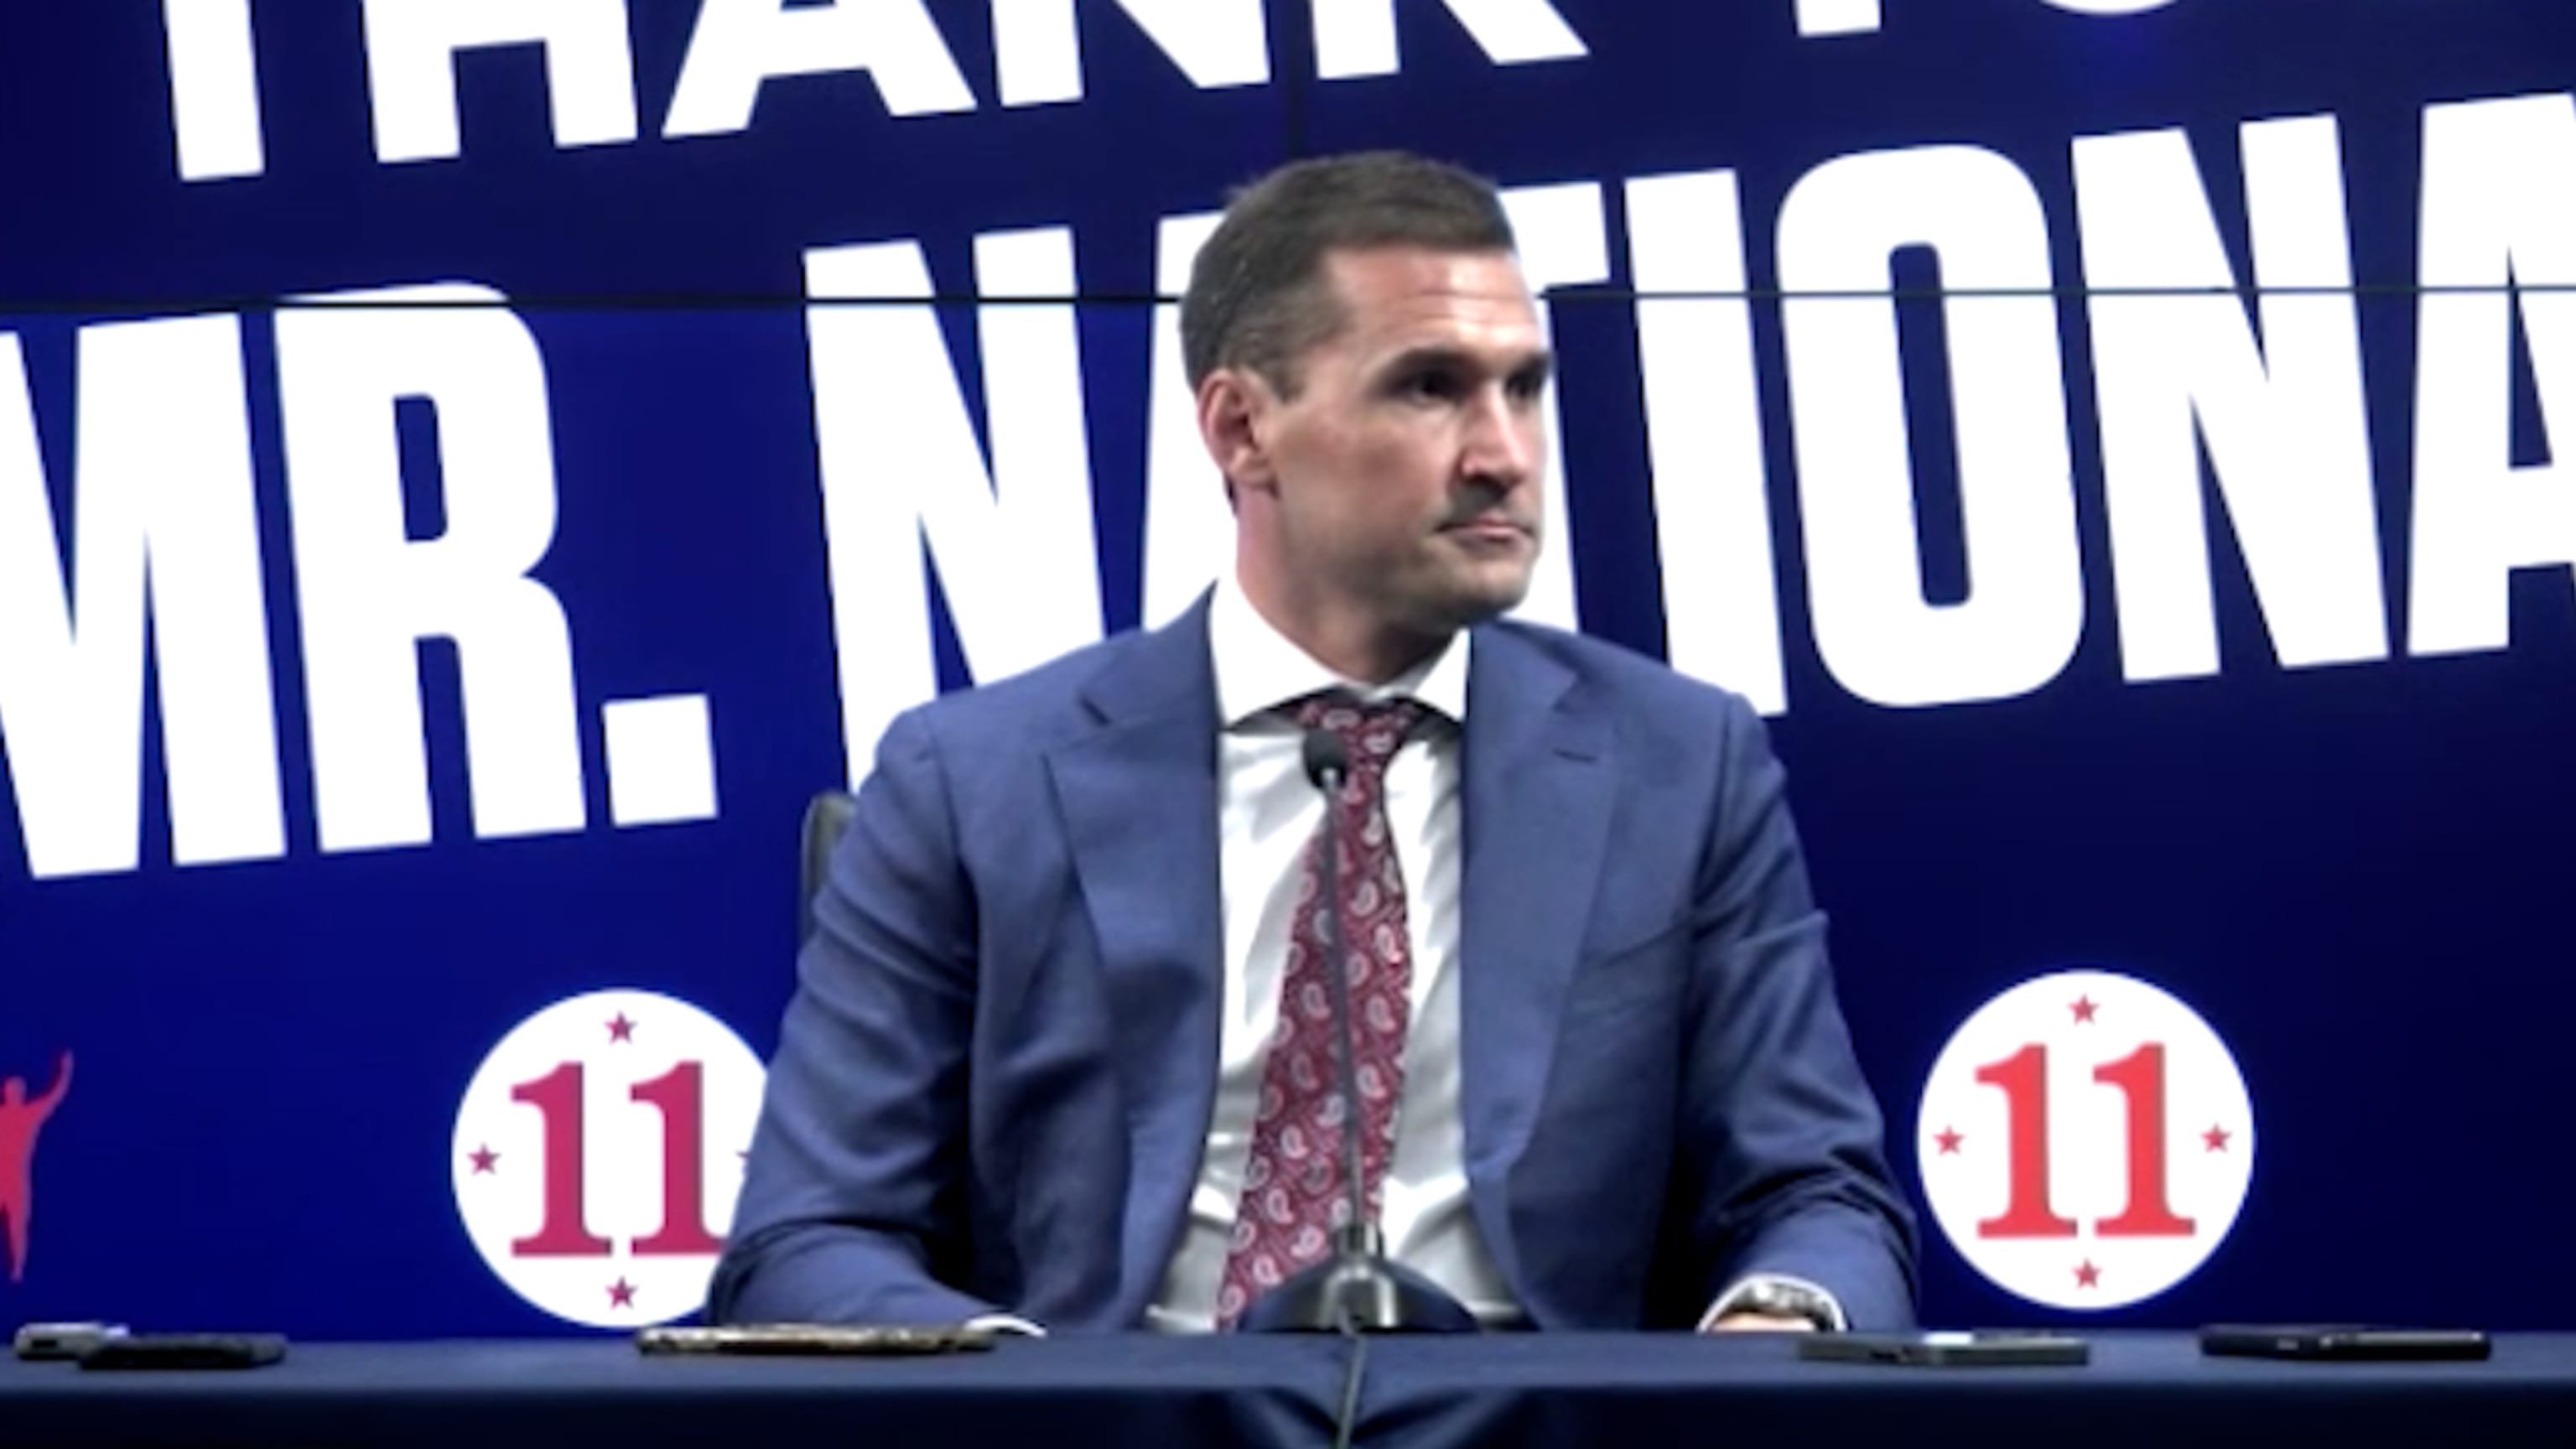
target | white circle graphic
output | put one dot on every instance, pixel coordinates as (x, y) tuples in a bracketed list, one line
[(2085, 1140), (598, 1153), (2111, 7)]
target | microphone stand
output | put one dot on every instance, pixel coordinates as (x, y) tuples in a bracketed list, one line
[(1359, 1289)]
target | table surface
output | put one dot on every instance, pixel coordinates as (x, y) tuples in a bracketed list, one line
[(2143, 1388)]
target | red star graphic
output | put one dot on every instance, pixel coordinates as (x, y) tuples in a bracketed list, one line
[(1949, 1139), (621, 1294), (483, 1158), (2087, 1276), (2216, 1139), (2083, 1007), (621, 1028)]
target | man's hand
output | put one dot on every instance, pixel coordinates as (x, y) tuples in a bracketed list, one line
[(1760, 1323)]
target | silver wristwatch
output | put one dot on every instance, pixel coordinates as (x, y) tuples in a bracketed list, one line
[(1779, 1298)]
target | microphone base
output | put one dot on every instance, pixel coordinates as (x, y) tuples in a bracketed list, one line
[(1360, 1292)]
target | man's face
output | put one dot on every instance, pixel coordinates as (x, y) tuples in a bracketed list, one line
[(1398, 490)]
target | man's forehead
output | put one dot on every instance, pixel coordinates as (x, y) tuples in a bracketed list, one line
[(1388, 295)]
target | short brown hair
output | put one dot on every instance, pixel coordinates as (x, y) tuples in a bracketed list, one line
[(1256, 299)]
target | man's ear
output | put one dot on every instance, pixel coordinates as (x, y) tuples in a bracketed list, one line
[(1234, 405)]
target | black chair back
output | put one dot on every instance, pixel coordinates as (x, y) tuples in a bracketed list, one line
[(827, 819)]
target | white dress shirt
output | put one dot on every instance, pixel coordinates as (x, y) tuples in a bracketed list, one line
[(1267, 811)]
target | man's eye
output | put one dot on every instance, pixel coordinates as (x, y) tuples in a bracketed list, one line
[(1429, 386)]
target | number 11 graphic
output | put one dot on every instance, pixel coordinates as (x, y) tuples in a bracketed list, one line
[(2140, 1079), (563, 1229)]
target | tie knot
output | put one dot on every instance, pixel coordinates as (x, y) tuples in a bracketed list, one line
[(1371, 732)]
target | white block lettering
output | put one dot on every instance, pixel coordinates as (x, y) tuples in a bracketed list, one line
[(901, 470), (214, 89), (742, 44), (1838, 17), (2025, 611), (2499, 209), (2284, 417), (1037, 49), (163, 518), (661, 760), (1704, 434), (369, 593), (1357, 37), (412, 47)]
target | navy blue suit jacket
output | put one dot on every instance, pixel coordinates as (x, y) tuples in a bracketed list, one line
[(994, 1082)]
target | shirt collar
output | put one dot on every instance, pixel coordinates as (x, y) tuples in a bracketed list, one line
[(1259, 669)]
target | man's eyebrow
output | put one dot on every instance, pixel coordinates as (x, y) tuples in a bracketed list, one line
[(1539, 362)]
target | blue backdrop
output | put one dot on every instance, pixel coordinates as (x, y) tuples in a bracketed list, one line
[(2341, 854)]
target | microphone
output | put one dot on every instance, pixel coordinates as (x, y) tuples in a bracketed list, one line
[(1327, 760), (1358, 1289), (1328, 768)]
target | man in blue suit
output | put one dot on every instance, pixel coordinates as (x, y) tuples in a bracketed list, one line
[(1043, 1058)]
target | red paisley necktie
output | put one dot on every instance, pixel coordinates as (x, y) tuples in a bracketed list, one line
[(1293, 1196)]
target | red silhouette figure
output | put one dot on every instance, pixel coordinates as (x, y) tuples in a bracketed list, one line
[(20, 1120)]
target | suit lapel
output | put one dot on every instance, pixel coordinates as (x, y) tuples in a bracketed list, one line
[(1538, 764), (1139, 802)]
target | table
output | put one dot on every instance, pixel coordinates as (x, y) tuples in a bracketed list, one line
[(1533, 1389)]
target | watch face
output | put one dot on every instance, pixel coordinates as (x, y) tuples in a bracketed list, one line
[(1788, 1301)]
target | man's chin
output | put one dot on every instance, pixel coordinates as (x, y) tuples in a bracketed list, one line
[(1476, 601)]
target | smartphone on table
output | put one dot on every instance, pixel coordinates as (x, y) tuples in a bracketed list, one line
[(2344, 1341), (815, 1339), (2010, 1348)]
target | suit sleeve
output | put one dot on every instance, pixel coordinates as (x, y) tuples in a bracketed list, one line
[(1785, 1169), (853, 1197)]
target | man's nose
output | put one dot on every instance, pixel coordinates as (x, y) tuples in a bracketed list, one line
[(1503, 442)]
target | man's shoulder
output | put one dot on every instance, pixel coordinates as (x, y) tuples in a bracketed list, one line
[(1045, 702), (1618, 676)]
